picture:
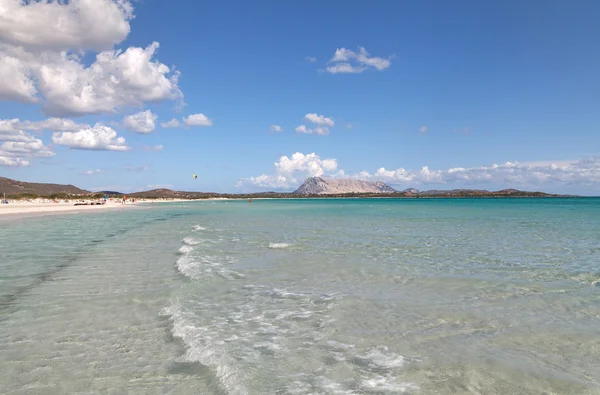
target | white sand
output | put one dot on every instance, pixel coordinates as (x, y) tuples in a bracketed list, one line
[(47, 206)]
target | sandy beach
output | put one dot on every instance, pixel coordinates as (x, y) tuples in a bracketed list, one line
[(44, 206)]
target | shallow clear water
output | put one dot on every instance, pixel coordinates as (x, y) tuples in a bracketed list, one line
[(341, 296)]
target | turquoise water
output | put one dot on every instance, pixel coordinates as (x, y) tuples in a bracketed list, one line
[(344, 296)]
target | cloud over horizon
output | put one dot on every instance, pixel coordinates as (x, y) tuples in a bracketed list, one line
[(291, 172)]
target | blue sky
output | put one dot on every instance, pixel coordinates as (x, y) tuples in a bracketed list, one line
[(445, 95)]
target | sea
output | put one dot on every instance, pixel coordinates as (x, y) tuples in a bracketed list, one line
[(304, 296)]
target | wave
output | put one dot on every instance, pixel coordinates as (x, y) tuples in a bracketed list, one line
[(198, 227), (271, 332), (201, 348), (196, 267), (191, 241)]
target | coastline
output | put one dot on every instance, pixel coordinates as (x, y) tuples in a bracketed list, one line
[(17, 209)]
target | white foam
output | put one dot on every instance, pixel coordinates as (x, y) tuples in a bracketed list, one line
[(380, 358), (188, 267), (279, 245), (198, 227), (191, 241), (387, 385), (339, 346), (200, 348), (185, 249)]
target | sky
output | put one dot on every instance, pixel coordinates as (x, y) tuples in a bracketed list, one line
[(258, 95)]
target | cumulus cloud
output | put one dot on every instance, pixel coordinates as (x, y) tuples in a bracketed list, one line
[(197, 120), (78, 24), (322, 125), (173, 123), (303, 129), (290, 172), (142, 122), (347, 61), (158, 147), (116, 79), (319, 120), (18, 146), (98, 137), (13, 162), (17, 83), (41, 60), (91, 172), (276, 129)]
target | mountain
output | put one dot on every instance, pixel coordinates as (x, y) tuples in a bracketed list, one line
[(328, 186), (13, 187)]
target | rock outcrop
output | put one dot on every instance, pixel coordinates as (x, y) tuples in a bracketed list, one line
[(327, 186)]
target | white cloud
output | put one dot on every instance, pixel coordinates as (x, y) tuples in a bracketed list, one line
[(197, 120), (42, 45), (321, 131), (345, 68), (78, 24), (142, 122), (173, 123), (153, 148), (13, 162), (310, 59), (17, 146), (348, 61), (290, 172), (55, 124), (423, 129), (303, 129), (117, 79), (98, 137), (276, 129), (319, 120), (91, 172), (17, 83)]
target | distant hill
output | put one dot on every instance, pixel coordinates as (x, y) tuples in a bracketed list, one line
[(327, 186), (13, 187), (314, 187), (110, 193)]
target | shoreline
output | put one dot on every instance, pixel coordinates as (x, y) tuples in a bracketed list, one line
[(17, 209)]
